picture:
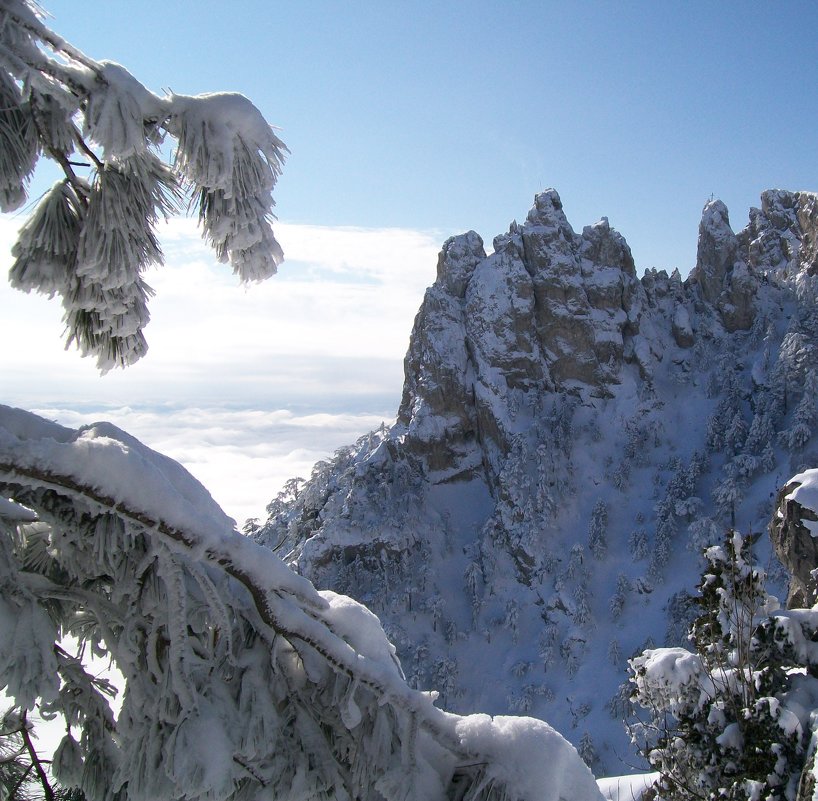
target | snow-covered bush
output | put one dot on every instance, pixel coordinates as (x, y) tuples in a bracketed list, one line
[(725, 721), (240, 680), (93, 234)]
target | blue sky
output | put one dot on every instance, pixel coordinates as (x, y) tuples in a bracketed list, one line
[(451, 115), (410, 122)]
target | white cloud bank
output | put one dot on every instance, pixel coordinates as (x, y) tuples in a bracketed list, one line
[(246, 386), (242, 456), (342, 304)]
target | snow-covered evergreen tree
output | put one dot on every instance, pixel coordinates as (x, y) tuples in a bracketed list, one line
[(597, 530), (805, 415), (92, 236), (620, 596), (727, 721)]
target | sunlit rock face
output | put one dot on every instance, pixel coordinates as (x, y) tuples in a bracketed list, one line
[(570, 437), (552, 310), (548, 310)]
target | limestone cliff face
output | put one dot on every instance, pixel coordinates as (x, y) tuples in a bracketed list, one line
[(548, 309), (729, 266), (570, 436), (438, 394), (783, 232), (584, 289)]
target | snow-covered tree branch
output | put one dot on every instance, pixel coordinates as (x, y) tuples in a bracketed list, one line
[(241, 681), (92, 235)]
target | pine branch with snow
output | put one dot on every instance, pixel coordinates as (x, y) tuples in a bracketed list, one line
[(91, 238), (241, 681)]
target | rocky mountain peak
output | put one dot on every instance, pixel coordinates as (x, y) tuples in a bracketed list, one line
[(547, 215), (567, 432), (722, 277), (602, 245), (717, 251), (553, 310), (783, 233), (548, 308)]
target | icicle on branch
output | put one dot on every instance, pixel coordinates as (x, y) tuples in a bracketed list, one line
[(89, 241)]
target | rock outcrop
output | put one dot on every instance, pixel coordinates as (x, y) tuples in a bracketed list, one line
[(794, 533), (552, 310), (722, 277)]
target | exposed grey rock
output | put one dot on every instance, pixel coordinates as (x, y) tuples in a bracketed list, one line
[(456, 262), (796, 546), (722, 277), (601, 244), (681, 327), (584, 288), (737, 303), (548, 307), (783, 232), (806, 782), (508, 366), (563, 321), (807, 215), (438, 404), (717, 252)]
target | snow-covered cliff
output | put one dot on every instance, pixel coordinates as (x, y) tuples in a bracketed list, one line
[(569, 438)]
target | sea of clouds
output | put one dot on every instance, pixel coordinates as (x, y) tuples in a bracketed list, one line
[(245, 386)]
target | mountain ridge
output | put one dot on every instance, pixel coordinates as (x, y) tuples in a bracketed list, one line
[(568, 438)]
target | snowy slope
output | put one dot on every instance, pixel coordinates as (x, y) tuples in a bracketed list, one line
[(570, 437)]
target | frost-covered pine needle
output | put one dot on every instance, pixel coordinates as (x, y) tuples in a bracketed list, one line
[(46, 250), (232, 159), (118, 240), (18, 145)]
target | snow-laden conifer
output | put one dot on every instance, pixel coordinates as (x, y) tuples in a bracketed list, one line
[(727, 721), (46, 249), (805, 415), (597, 530)]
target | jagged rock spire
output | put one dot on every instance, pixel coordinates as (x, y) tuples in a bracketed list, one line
[(723, 277)]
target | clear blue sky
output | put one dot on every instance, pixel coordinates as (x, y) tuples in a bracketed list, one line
[(451, 115)]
